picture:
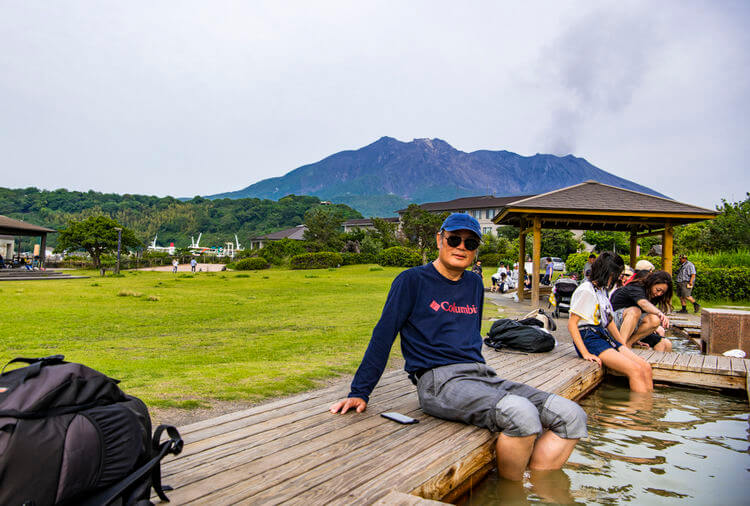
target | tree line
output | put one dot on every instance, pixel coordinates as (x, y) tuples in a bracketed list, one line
[(172, 219)]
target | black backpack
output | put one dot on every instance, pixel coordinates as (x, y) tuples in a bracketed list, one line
[(69, 435), (526, 336)]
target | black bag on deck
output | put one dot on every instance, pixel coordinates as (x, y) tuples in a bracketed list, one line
[(517, 336), (69, 435)]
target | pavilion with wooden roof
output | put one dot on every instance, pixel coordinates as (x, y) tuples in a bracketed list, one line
[(9, 226), (595, 206)]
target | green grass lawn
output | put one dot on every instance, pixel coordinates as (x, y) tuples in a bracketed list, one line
[(184, 340)]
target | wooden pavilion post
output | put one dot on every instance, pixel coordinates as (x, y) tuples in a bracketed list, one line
[(521, 261), (43, 252), (666, 248), (633, 247), (535, 261)]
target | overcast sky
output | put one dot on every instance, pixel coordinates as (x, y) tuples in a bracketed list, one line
[(194, 97)]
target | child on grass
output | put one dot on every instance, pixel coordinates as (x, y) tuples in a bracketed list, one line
[(593, 330)]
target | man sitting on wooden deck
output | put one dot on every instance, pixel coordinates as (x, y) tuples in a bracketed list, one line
[(437, 308)]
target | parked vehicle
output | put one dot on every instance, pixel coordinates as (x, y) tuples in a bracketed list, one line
[(558, 264)]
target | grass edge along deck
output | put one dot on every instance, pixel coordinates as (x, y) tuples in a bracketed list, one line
[(293, 451)]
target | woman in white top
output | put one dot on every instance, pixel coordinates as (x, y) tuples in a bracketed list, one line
[(593, 329)]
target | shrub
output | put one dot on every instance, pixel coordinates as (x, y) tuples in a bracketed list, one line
[(319, 260), (723, 284), (399, 256), (576, 261), (276, 251), (358, 258), (251, 264), (490, 259)]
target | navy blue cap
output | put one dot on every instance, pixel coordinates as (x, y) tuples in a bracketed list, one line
[(461, 221)]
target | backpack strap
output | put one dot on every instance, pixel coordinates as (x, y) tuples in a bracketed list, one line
[(172, 445), (35, 364)]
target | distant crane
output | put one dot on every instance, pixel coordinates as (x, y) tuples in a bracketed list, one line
[(194, 243), (165, 249)]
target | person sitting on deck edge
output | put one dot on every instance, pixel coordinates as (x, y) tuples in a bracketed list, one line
[(594, 332), (437, 308), (639, 309)]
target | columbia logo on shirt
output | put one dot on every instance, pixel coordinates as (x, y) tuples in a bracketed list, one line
[(452, 307)]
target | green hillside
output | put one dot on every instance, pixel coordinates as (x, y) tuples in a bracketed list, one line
[(173, 220)]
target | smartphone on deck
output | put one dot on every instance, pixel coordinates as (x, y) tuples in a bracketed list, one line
[(398, 417)]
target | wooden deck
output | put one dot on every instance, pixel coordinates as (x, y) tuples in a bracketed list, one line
[(294, 451)]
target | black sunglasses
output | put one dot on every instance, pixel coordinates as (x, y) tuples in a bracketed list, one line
[(469, 243)]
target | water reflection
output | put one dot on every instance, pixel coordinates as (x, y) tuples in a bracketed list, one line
[(678, 444)]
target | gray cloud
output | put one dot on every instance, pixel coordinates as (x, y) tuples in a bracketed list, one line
[(596, 65)]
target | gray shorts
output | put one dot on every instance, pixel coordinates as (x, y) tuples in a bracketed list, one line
[(617, 317), (683, 291), (475, 395)]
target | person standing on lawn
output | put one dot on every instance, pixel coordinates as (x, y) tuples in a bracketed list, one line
[(685, 279), (437, 309), (549, 268)]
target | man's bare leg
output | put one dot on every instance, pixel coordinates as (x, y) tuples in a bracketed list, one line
[(513, 455), (551, 452)]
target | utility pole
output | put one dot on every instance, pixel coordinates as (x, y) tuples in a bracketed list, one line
[(119, 244)]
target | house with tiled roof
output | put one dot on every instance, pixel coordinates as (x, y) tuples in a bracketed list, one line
[(296, 234), (365, 223), (484, 208)]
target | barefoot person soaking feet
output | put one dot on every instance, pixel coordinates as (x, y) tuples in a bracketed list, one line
[(593, 330), (640, 307), (437, 309)]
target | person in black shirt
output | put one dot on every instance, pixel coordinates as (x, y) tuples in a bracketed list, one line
[(639, 309)]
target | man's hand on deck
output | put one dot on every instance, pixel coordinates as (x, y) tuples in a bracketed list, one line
[(354, 403)]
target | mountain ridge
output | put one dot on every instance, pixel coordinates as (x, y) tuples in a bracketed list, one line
[(388, 174)]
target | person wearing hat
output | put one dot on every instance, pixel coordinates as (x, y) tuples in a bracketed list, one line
[(437, 309), (685, 279)]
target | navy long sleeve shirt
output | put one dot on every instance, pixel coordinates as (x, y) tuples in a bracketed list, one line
[(439, 320)]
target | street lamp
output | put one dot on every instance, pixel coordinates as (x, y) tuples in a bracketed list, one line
[(119, 243)]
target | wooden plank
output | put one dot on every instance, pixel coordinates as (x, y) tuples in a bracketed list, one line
[(555, 362), (587, 379), (378, 480), (696, 363), (554, 379), (316, 433), (227, 452), (652, 356), (248, 478), (723, 365), (395, 498), (739, 366), (293, 479), (709, 365), (388, 378), (683, 377), (645, 354), (667, 361), (240, 429), (682, 362)]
